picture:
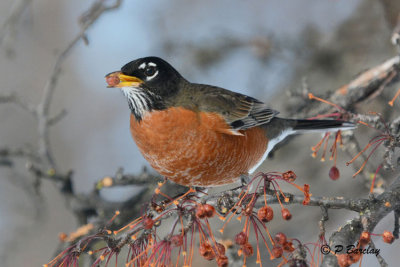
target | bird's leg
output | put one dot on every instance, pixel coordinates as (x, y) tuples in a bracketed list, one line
[(192, 192), (160, 184), (200, 189), (244, 179)]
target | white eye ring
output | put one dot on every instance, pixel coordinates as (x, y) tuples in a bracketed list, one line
[(150, 71), (148, 78)]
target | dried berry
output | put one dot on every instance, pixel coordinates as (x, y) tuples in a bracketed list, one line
[(177, 240), (200, 212), (343, 260), (334, 173), (241, 238), (209, 210), (222, 261), (365, 237), (354, 256), (265, 214), (288, 246), (388, 237), (206, 251), (247, 249), (277, 252), (286, 214), (280, 238), (220, 248), (112, 80), (148, 223), (289, 176)]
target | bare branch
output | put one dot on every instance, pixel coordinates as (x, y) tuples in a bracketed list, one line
[(367, 221), (17, 100), (91, 16), (13, 17)]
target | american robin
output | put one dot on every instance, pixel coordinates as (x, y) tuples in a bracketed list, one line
[(201, 135)]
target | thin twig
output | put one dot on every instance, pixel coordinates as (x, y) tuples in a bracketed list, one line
[(14, 15), (380, 259)]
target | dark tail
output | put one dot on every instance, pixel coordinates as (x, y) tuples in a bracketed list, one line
[(321, 125)]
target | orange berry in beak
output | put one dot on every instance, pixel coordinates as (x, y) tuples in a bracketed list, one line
[(112, 80)]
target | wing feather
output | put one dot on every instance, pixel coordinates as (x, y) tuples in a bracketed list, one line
[(241, 112)]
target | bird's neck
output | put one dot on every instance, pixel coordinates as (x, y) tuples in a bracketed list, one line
[(142, 101)]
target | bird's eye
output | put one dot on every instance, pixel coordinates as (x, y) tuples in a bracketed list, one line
[(150, 71)]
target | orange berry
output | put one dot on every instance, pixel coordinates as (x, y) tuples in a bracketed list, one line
[(247, 249), (241, 238), (112, 80), (354, 256), (288, 246), (222, 261), (286, 214), (220, 248), (277, 252), (206, 251), (265, 214), (280, 238), (289, 176), (200, 212), (209, 210), (388, 237), (365, 237), (343, 260)]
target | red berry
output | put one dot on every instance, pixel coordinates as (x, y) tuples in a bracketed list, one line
[(388, 237), (222, 261), (354, 256), (365, 237), (277, 252), (148, 223), (200, 212), (241, 238), (220, 248), (343, 260), (209, 210), (247, 249), (177, 240), (289, 176), (280, 238), (206, 251), (334, 173), (286, 214), (288, 246), (265, 214), (112, 80)]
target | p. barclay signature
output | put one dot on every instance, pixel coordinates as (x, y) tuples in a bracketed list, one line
[(349, 249)]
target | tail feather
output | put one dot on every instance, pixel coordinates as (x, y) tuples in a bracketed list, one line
[(321, 125)]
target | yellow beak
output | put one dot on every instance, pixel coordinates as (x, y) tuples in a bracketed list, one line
[(117, 79)]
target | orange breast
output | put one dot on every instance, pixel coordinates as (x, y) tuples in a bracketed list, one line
[(196, 148)]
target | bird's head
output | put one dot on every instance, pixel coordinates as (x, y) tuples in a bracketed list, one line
[(146, 82)]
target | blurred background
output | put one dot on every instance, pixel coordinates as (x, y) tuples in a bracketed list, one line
[(262, 49)]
